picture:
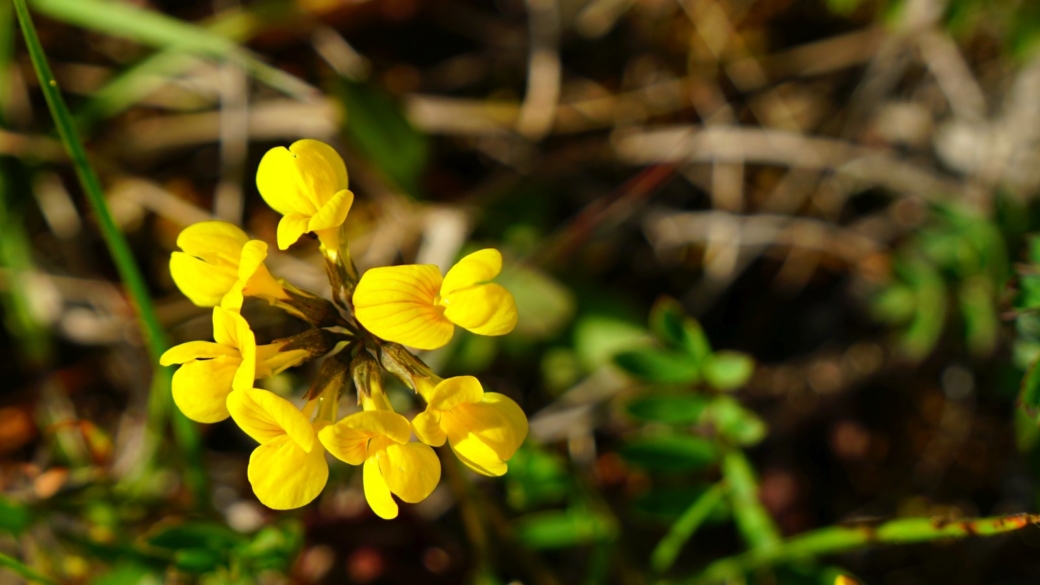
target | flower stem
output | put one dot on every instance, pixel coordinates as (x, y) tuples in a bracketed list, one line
[(836, 539), (668, 549)]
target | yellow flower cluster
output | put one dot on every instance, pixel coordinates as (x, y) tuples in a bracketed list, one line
[(359, 335)]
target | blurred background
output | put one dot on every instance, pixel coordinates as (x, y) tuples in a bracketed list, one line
[(772, 261)]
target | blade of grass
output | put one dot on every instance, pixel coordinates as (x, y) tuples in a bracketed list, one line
[(160, 399), (836, 539), (15, 250), (24, 571), (668, 549), (753, 521), (151, 73), (158, 30), (138, 81)]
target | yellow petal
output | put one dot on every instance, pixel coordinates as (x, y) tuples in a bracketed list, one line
[(265, 416), (427, 426), (412, 470), (476, 268), (203, 283), (486, 434), (284, 476), (271, 360), (247, 349), (195, 350), (302, 178), (498, 420), (377, 492), (476, 455), (290, 228), (225, 326), (454, 391), (251, 271), (348, 439), (333, 213), (200, 388), (397, 303), (485, 309), (216, 242)]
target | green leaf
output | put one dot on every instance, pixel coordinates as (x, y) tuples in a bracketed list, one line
[(128, 573), (665, 504), (655, 365), (194, 535), (894, 304), (695, 341), (535, 477), (670, 452), (978, 305), (1029, 398), (564, 529), (598, 338), (920, 337), (544, 306), (666, 322), (1028, 297), (14, 517), (668, 408), (198, 560), (376, 126), (728, 370), (734, 422), (274, 547)]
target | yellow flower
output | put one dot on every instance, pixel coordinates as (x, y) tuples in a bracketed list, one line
[(484, 428), (307, 184), (412, 305), (217, 258), (211, 370), (288, 469), (379, 440)]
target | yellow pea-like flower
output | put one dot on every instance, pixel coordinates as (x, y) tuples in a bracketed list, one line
[(288, 469), (484, 429), (217, 257), (211, 370), (379, 440), (414, 306), (307, 184)]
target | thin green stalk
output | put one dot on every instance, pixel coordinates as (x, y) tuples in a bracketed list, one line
[(837, 539), (136, 82), (753, 521), (160, 399), (668, 549), (158, 30), (24, 571)]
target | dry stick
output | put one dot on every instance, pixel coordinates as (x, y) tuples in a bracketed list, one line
[(543, 70)]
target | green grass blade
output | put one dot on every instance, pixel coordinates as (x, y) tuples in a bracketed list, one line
[(22, 570), (137, 82), (158, 30), (160, 400), (668, 549)]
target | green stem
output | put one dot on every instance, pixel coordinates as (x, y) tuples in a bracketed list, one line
[(836, 539), (668, 549), (753, 520), (24, 571), (160, 399)]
